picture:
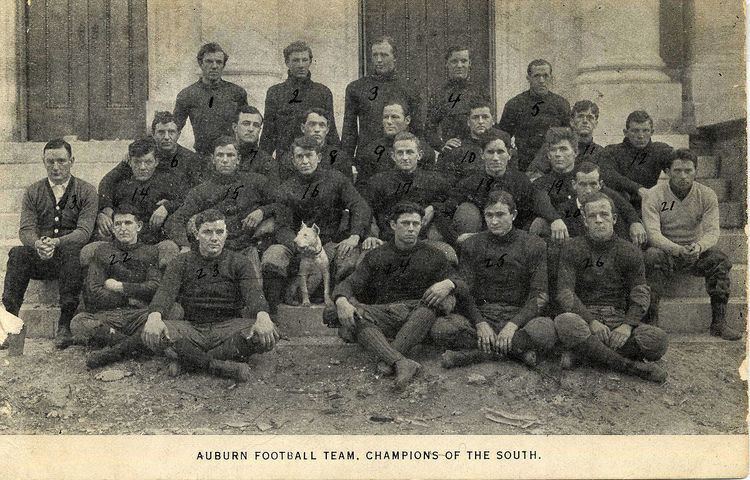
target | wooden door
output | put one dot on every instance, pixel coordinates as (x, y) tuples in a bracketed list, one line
[(57, 69), (87, 68), (118, 76), (423, 31)]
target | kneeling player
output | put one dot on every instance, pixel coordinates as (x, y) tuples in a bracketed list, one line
[(602, 287), (506, 269)]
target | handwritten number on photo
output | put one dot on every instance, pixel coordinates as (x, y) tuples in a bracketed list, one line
[(295, 94), (373, 93)]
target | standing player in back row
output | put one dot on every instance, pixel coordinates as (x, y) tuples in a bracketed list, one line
[(363, 107), (286, 101), (448, 109), (528, 115), (211, 103)]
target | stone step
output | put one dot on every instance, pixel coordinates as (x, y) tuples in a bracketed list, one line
[(693, 315), (689, 286), (732, 214), (708, 166), (679, 316), (302, 321)]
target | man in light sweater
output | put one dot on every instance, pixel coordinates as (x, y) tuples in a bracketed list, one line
[(682, 222), (57, 218)]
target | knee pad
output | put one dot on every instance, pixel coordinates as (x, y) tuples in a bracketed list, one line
[(571, 329), (652, 341)]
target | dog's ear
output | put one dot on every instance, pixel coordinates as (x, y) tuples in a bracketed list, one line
[(303, 225), (316, 229)]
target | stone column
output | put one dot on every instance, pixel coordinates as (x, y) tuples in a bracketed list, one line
[(620, 68), (8, 84)]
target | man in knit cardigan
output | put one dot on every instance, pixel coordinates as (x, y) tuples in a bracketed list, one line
[(682, 222), (57, 218)]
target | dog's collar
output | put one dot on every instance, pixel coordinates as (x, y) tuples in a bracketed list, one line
[(319, 250)]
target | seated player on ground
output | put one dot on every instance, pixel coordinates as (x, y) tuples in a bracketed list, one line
[(247, 201), (506, 270), (682, 221), (57, 219), (317, 196), (469, 196), (122, 277), (225, 316), (155, 194), (396, 292), (602, 289)]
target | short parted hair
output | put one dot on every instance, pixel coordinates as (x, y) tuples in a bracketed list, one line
[(298, 46), (141, 146), (211, 47), (318, 111), (248, 109), (400, 102), (210, 215), (127, 209), (494, 134), (457, 48), (538, 63), (501, 196), (684, 154), (401, 208), (401, 136), (385, 39), (559, 134), (163, 118), (585, 105), (480, 102), (307, 142), (587, 167), (225, 140), (595, 197), (639, 116), (56, 143)]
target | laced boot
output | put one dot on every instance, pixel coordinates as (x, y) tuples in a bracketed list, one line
[(229, 369), (719, 327)]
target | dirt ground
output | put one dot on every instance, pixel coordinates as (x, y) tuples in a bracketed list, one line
[(331, 389)]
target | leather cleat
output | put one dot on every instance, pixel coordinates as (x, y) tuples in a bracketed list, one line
[(63, 338), (228, 369), (406, 370)]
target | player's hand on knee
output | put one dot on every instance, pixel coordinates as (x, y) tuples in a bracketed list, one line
[(437, 292), (486, 340), (600, 331), (345, 247), (253, 219), (104, 225), (371, 242), (154, 331), (638, 233), (504, 339), (619, 336), (158, 217), (263, 330)]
